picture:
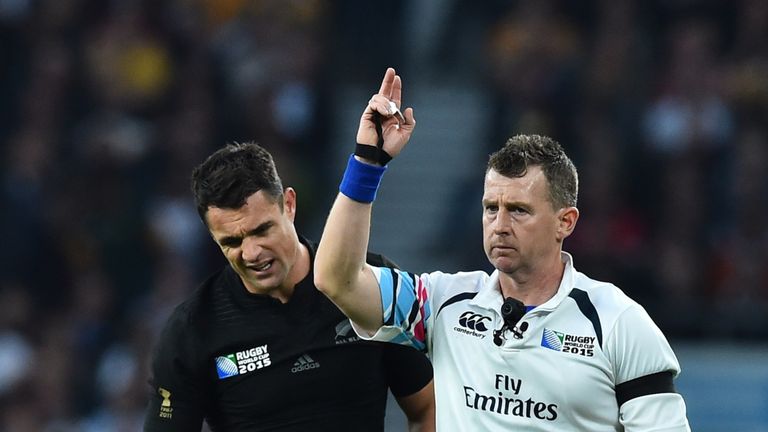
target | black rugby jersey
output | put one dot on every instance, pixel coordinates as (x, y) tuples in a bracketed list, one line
[(248, 362)]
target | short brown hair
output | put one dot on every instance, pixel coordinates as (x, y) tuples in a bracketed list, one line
[(522, 151)]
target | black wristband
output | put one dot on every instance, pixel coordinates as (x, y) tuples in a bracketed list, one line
[(384, 157), (377, 153), (367, 152), (372, 153)]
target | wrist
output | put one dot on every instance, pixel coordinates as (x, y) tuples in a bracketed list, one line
[(373, 155), (366, 161), (361, 179)]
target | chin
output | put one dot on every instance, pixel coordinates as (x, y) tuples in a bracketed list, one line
[(505, 265)]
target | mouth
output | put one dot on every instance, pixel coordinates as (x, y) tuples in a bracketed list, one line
[(262, 267), (502, 248)]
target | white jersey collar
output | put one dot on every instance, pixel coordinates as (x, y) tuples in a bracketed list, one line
[(566, 284)]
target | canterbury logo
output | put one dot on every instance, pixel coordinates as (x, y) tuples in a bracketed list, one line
[(473, 321)]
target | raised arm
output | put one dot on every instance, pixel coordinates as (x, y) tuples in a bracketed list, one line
[(340, 269)]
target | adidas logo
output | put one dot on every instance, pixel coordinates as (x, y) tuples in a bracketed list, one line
[(305, 362)]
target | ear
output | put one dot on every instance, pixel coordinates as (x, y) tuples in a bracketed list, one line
[(289, 203), (566, 222)]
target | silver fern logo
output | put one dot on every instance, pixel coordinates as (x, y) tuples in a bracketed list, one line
[(345, 333)]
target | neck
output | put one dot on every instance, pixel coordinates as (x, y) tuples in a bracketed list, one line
[(535, 286), (300, 269)]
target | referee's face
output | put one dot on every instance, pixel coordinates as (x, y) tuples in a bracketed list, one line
[(259, 241), (520, 226)]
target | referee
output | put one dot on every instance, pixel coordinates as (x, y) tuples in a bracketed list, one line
[(257, 347), (535, 345)]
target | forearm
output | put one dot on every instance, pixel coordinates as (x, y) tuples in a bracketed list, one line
[(340, 259), (340, 269)]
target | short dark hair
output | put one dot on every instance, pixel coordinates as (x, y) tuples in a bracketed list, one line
[(233, 173), (523, 151)]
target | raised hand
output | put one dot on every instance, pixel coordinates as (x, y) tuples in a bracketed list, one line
[(396, 131)]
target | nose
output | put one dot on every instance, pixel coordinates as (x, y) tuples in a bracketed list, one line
[(250, 249), (503, 223)]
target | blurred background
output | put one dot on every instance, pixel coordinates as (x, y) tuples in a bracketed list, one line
[(106, 106)]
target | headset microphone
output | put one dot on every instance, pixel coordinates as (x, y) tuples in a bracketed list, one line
[(511, 311)]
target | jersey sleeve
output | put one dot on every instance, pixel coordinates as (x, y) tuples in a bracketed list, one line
[(644, 367), (176, 401), (407, 370), (406, 309), (662, 412)]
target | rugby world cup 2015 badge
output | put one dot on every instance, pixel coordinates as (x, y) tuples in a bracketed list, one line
[(563, 342), (242, 362)]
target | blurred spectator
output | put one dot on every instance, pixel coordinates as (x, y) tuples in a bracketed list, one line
[(106, 106), (533, 54)]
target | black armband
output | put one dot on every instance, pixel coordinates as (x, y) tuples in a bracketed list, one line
[(660, 382)]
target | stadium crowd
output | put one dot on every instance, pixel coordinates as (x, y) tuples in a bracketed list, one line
[(105, 107)]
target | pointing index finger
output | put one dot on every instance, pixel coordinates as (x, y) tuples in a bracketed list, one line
[(386, 84)]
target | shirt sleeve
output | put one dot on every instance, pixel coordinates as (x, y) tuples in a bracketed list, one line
[(662, 412), (644, 367), (406, 309), (407, 370), (176, 400)]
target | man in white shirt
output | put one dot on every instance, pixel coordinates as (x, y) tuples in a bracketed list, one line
[(535, 345)]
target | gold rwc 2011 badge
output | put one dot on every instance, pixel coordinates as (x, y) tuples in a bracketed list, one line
[(166, 411)]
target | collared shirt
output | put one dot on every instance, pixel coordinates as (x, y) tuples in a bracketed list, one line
[(589, 358), (247, 362)]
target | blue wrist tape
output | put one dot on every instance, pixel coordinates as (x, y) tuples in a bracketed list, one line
[(361, 181)]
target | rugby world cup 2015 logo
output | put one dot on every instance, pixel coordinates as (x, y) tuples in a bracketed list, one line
[(552, 339), (242, 362), (226, 366), (584, 346)]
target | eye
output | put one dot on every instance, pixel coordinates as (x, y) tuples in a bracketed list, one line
[(491, 208), (231, 242), (262, 230), (518, 210)]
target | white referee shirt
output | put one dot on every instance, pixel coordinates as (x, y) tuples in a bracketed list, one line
[(590, 359)]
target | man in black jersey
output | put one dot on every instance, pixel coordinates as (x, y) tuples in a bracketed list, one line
[(257, 347)]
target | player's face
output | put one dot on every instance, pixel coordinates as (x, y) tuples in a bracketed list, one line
[(258, 239), (520, 226)]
